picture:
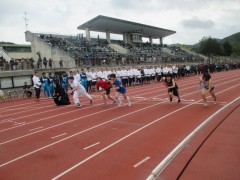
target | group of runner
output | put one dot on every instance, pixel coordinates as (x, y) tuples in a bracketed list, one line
[(117, 80)]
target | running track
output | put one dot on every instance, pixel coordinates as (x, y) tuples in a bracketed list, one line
[(41, 141)]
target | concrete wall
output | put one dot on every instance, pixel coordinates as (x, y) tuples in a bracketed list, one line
[(38, 45), (118, 48), (14, 79)]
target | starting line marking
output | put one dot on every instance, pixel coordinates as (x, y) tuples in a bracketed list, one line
[(58, 135), (91, 146), (36, 128), (159, 99), (141, 162), (19, 123)]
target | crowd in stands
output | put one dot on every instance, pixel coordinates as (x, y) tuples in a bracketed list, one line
[(16, 64), (98, 52), (179, 52)]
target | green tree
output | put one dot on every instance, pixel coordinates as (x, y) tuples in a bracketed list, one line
[(209, 46), (228, 49)]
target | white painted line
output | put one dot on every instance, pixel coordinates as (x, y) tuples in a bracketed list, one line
[(18, 124), (36, 128), (141, 162), (137, 97), (164, 163), (91, 146), (58, 135)]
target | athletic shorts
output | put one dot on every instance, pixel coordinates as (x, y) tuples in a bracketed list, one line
[(108, 90), (174, 91), (212, 88), (93, 83), (147, 78), (122, 90)]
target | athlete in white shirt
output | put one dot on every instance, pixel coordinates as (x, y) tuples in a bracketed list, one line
[(77, 89), (76, 75)]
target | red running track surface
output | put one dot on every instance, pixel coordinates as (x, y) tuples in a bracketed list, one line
[(42, 141)]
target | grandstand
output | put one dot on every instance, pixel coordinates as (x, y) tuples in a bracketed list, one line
[(75, 51)]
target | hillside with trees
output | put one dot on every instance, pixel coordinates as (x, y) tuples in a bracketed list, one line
[(229, 46)]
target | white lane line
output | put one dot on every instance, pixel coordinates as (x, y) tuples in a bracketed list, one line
[(165, 162), (58, 135), (125, 137), (141, 162), (36, 128), (91, 146)]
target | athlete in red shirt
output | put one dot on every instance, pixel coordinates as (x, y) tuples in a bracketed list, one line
[(106, 85)]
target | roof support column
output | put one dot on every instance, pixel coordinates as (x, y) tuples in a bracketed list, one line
[(87, 31), (161, 41), (126, 38), (108, 37), (150, 41)]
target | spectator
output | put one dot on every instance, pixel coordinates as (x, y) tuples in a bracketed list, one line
[(61, 63), (45, 62), (39, 63), (27, 90), (50, 63), (11, 64), (37, 86), (32, 63), (2, 98), (15, 64)]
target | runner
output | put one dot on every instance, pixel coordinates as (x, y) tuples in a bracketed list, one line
[(77, 89), (120, 89), (205, 80), (106, 85), (172, 87)]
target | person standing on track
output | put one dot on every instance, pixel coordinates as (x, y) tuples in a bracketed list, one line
[(77, 89), (106, 85), (172, 87), (45, 84), (37, 86), (206, 81), (120, 89)]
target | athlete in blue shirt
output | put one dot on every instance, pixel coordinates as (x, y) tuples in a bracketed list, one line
[(120, 89)]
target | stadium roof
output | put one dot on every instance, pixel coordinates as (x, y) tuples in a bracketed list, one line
[(118, 26)]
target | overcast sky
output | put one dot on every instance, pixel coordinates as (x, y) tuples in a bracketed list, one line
[(192, 19)]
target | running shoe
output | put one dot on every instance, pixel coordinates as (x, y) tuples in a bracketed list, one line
[(205, 105), (91, 101), (179, 101), (78, 105), (170, 99), (120, 104), (129, 103)]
